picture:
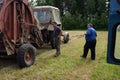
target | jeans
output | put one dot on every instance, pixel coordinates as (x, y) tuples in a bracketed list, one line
[(57, 45), (90, 45)]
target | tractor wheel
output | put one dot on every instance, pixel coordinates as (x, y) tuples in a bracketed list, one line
[(66, 37), (26, 55)]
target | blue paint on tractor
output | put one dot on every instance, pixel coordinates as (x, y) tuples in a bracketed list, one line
[(114, 21)]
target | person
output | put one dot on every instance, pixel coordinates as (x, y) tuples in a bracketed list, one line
[(44, 34), (50, 36), (57, 34), (90, 37)]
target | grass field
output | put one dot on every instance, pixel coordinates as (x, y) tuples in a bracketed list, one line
[(68, 66)]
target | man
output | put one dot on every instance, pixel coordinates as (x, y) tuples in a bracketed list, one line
[(50, 36), (57, 34), (90, 37)]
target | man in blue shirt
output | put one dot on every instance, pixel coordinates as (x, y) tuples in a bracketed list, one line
[(90, 37)]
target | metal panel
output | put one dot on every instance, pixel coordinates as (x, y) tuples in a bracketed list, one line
[(16, 21), (114, 21)]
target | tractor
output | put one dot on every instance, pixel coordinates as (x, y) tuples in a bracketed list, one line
[(46, 15), (113, 54)]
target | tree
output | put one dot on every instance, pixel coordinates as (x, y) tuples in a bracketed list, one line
[(101, 7), (40, 2), (60, 5), (77, 13)]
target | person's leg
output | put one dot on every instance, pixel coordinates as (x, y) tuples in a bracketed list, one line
[(92, 48), (86, 48), (51, 39), (43, 35), (57, 46)]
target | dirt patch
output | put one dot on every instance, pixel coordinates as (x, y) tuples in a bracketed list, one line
[(76, 37)]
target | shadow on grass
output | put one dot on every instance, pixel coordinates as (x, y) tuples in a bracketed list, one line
[(8, 61), (11, 61), (43, 50)]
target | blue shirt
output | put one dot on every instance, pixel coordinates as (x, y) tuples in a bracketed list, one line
[(90, 34)]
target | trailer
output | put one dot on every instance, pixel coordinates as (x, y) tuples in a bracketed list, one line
[(18, 31)]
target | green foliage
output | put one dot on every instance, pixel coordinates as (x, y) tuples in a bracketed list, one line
[(100, 22), (90, 8), (76, 14), (74, 22), (85, 14), (40, 2), (70, 21), (101, 6)]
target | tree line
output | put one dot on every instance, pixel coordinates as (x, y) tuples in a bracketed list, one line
[(75, 14)]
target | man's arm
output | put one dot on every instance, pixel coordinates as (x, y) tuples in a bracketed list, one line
[(88, 32)]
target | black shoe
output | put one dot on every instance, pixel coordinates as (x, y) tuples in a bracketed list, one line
[(82, 56), (92, 59), (53, 47), (56, 55)]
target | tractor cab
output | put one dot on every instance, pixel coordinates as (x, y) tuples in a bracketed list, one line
[(46, 13), (113, 54)]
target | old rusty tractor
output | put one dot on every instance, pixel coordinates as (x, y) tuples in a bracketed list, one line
[(45, 16)]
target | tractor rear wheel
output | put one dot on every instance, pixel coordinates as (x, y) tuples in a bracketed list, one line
[(26, 55)]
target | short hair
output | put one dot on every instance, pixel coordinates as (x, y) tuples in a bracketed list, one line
[(90, 24)]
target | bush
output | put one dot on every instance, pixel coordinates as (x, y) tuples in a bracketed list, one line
[(77, 21), (69, 21), (100, 22)]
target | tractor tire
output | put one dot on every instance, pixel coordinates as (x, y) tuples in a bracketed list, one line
[(26, 55), (66, 37)]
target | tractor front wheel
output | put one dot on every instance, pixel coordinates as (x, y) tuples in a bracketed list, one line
[(66, 37)]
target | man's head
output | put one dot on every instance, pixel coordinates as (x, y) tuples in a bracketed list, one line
[(90, 25)]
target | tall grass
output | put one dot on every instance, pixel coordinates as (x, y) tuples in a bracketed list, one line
[(68, 66)]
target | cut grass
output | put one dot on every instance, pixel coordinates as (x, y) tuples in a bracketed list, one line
[(68, 66)]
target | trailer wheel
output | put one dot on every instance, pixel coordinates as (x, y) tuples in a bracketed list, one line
[(26, 55), (66, 37)]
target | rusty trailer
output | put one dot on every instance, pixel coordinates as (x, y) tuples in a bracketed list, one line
[(18, 31)]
